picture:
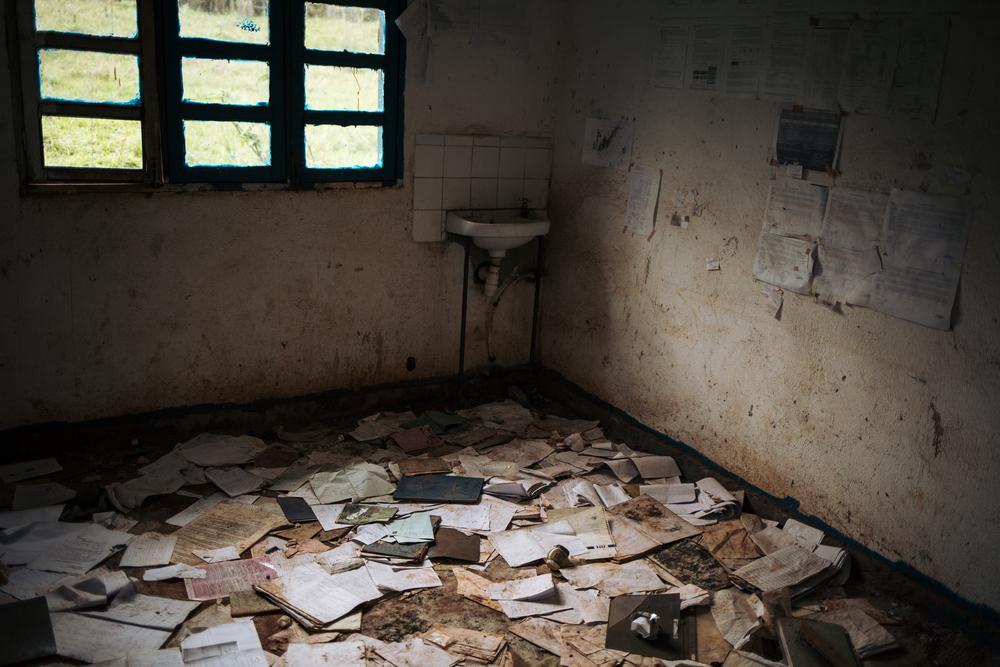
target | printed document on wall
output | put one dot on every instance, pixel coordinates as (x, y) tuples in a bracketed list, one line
[(925, 237), (607, 143), (788, 45), (671, 54), (795, 208), (823, 67), (917, 77), (643, 195), (744, 62), (868, 66), (705, 55), (849, 262)]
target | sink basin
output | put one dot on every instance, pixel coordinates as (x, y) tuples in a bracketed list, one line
[(497, 231)]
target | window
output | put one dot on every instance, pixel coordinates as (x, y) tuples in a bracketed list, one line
[(211, 91)]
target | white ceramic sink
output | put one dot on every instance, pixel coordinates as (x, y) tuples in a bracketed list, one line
[(497, 231)]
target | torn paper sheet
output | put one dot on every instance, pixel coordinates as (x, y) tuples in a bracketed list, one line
[(228, 524), (30, 496), (591, 530), (229, 644), (224, 578), (308, 591), (380, 425), (670, 493), (73, 548), (389, 578), (412, 529), (93, 640), (737, 614), (25, 583), (656, 467), (353, 483), (784, 262), (867, 635), (774, 298), (643, 197), (477, 646), (146, 611), (85, 591), (653, 520), (16, 472), (234, 481), (527, 588), (217, 555), (13, 520), (148, 550), (212, 450), (607, 143), (179, 571), (187, 515), (784, 568), (540, 632), (414, 652), (613, 579)]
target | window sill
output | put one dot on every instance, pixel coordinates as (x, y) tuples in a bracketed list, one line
[(51, 188)]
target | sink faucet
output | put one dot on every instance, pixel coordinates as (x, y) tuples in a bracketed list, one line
[(525, 212)]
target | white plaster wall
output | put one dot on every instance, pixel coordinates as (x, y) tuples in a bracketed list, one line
[(122, 303), (885, 429)]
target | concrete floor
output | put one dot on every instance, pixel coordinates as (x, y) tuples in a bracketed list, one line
[(934, 630)]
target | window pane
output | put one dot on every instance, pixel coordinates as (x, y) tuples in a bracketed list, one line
[(225, 81), (88, 76), (91, 142), (225, 20), (343, 88), (343, 147), (115, 18), (212, 143), (334, 28)]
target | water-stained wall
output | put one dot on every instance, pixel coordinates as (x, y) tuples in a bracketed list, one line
[(885, 429), (121, 303)]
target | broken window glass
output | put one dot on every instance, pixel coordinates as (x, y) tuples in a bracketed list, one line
[(344, 88)]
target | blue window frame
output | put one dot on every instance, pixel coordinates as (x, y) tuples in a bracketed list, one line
[(330, 109)]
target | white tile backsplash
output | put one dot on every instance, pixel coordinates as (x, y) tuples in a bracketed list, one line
[(485, 161), (428, 226), (464, 171), (484, 193), (428, 161), (511, 162), (456, 193), (427, 194), (457, 161), (510, 193)]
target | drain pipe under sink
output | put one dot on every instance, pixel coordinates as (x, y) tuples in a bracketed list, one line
[(491, 308)]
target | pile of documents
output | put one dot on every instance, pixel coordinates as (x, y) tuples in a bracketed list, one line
[(541, 519)]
